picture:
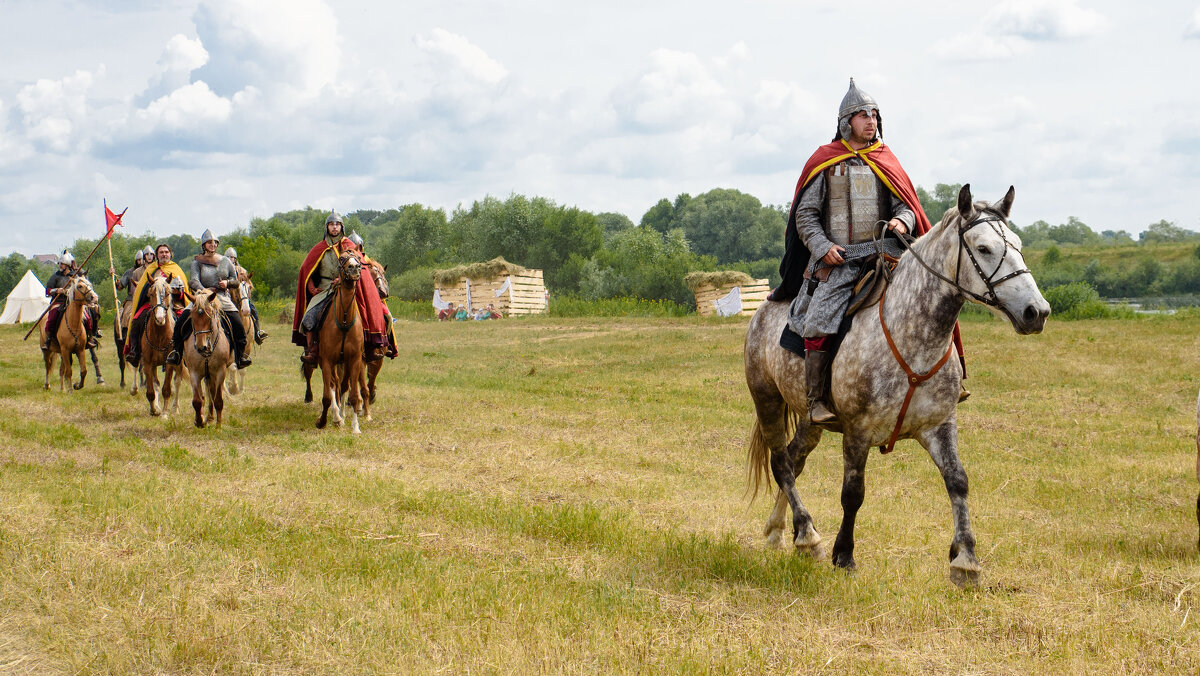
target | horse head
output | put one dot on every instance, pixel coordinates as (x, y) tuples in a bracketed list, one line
[(990, 269), (349, 268), (378, 274), (162, 299), (82, 291), (205, 321)]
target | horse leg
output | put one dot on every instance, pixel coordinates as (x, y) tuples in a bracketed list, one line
[(198, 399), (219, 399), (854, 465), (326, 397), (307, 370), (785, 467), (96, 365), (151, 385), (372, 373), (942, 444), (354, 376), (81, 355)]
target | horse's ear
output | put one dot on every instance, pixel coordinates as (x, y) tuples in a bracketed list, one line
[(385, 268), (966, 206), (249, 275), (1005, 204)]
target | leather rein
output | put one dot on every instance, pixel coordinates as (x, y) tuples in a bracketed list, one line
[(990, 299)]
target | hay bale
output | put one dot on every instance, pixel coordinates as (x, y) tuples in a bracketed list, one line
[(719, 278), (711, 286), (525, 295)]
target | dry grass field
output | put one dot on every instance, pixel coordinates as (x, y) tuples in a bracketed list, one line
[(551, 495)]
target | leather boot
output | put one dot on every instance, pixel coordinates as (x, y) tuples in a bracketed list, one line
[(310, 353), (816, 381), (260, 336)]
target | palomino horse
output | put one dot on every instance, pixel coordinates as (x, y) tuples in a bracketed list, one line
[(207, 354), (70, 340), (240, 295), (341, 347), (156, 344), (970, 255)]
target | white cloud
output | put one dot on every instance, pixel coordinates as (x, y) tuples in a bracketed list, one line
[(53, 110), (1010, 28), (288, 49), (1193, 28), (184, 109), (183, 54), (1048, 20), (32, 196), (466, 58), (675, 92)]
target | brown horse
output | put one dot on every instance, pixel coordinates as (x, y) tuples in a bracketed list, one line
[(240, 295), (970, 256), (156, 343), (120, 321), (70, 340), (207, 354), (341, 346)]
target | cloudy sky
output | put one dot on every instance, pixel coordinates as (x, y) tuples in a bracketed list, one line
[(206, 113)]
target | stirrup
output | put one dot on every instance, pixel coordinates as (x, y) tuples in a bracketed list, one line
[(174, 358), (819, 414), (91, 343), (260, 336), (243, 362)]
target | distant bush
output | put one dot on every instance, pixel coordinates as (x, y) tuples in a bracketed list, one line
[(1066, 297), (574, 306), (1095, 309), (411, 309), (415, 284)]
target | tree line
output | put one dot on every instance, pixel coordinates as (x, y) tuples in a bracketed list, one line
[(606, 255)]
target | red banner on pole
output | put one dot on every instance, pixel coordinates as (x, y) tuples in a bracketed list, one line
[(111, 220)]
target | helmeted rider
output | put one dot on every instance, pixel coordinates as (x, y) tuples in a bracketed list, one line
[(314, 287), (259, 334), (128, 281), (147, 257), (390, 351), (162, 265), (57, 288), (848, 187), (211, 270)]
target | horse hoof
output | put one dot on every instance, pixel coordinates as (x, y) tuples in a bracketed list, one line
[(844, 561), (815, 551), (964, 571), (774, 538)]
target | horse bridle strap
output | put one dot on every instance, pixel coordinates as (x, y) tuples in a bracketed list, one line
[(914, 378)]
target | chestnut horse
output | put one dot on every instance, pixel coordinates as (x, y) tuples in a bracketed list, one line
[(207, 354), (341, 346), (887, 383), (156, 344), (70, 341)]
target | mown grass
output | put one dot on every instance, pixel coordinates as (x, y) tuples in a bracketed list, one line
[(566, 494)]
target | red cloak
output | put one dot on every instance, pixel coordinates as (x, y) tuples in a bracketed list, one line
[(370, 307), (880, 159)]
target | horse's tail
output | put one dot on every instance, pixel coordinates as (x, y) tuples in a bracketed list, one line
[(758, 456)]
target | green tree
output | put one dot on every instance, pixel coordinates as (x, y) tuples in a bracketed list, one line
[(1166, 231), (935, 204), (413, 236), (732, 226), (611, 223)]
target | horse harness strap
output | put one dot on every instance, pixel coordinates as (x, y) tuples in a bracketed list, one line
[(914, 379)]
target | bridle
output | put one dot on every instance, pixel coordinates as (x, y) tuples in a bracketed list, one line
[(995, 219), (158, 298), (342, 316)]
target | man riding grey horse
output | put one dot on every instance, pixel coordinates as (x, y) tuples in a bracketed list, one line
[(848, 188)]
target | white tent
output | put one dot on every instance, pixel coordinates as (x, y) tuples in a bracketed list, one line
[(26, 302)]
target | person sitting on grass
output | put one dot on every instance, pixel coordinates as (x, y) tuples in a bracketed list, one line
[(463, 314), (447, 313)]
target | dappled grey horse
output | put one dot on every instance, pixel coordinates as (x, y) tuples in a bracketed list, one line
[(971, 255)]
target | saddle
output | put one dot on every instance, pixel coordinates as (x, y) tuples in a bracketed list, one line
[(875, 276)]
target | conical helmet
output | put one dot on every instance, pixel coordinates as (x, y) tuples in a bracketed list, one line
[(137, 258), (854, 101), (357, 239), (66, 258), (333, 217), (231, 253), (148, 251), (207, 237)]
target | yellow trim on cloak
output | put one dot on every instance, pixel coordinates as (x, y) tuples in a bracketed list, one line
[(862, 155), (171, 268)]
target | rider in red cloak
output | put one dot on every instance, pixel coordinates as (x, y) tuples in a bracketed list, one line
[(317, 274)]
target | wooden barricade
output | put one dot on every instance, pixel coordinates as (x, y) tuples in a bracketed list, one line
[(753, 295)]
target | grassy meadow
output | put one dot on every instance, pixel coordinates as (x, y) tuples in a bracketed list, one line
[(566, 495)]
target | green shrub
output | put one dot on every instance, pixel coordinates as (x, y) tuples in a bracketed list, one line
[(1068, 296), (415, 284)]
